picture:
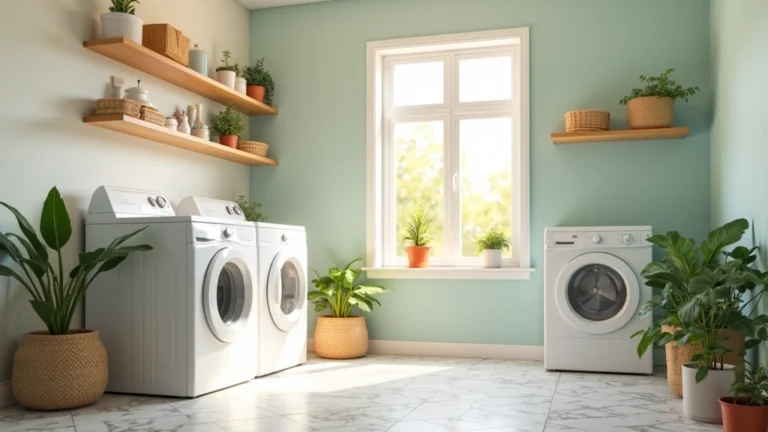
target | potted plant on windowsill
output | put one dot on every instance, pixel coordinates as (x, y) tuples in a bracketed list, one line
[(228, 125), (342, 335), (59, 368), (227, 74), (745, 410), (260, 84), (419, 222), (653, 106), (491, 245), (121, 22)]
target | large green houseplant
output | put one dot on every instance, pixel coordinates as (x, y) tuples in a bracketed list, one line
[(341, 335)]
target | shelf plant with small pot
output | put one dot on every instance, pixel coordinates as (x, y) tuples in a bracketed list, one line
[(250, 209), (260, 84), (653, 106), (228, 125), (58, 368), (227, 74), (342, 335), (491, 245), (746, 410), (121, 21), (418, 227)]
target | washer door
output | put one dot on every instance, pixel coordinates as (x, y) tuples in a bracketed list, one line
[(227, 294), (597, 293), (286, 291)]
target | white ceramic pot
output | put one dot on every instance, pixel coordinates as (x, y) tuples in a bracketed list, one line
[(121, 25), (241, 85), (492, 258), (701, 400), (226, 77)]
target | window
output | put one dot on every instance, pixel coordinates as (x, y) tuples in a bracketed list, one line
[(448, 128)]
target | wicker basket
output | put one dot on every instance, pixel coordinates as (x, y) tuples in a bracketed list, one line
[(118, 107), (651, 112), (254, 147), (152, 115), (587, 120), (165, 40), (341, 338)]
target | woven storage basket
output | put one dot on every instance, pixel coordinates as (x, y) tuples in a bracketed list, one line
[(587, 120), (118, 107), (254, 147), (59, 372), (651, 112), (165, 40), (341, 338), (152, 115)]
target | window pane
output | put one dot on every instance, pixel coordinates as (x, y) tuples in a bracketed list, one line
[(486, 179), (419, 177), (418, 84), (485, 79)]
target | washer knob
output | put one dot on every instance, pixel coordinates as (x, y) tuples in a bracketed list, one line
[(229, 210), (284, 238), (161, 202), (228, 232), (596, 239), (627, 239), (236, 210), (152, 201)]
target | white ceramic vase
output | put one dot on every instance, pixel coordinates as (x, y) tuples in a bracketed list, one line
[(701, 400), (226, 77), (241, 85), (121, 25), (492, 258)]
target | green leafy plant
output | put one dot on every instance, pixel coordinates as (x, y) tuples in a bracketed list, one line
[(257, 75), (228, 122), (56, 294), (419, 223), (228, 67), (661, 86), (753, 389), (493, 239), (124, 6), (338, 293), (250, 210)]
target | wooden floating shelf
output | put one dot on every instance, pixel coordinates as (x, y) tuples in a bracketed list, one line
[(139, 128), (138, 57), (620, 135)]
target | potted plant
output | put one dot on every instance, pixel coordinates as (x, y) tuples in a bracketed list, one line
[(58, 368), (228, 125), (227, 74), (121, 21), (745, 410), (250, 210), (419, 222), (491, 245), (260, 84), (342, 335), (653, 106)]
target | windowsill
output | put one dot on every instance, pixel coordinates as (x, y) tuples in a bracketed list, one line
[(449, 273)]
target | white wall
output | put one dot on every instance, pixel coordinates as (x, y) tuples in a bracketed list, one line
[(48, 82)]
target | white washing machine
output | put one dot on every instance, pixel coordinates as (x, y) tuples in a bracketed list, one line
[(178, 320), (282, 297), (593, 290)]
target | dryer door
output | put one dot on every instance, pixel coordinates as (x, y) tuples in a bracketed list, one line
[(287, 290), (597, 293), (227, 294)]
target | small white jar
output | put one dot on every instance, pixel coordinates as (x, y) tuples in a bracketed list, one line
[(171, 123)]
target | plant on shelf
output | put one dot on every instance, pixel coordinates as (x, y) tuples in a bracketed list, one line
[(746, 410), (491, 245), (228, 125), (260, 84), (341, 335), (419, 224), (652, 106), (121, 21), (46, 361), (124, 6), (250, 210), (227, 73)]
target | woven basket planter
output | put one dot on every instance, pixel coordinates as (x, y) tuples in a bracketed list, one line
[(253, 147), (651, 112), (341, 338), (587, 120), (59, 372), (127, 107)]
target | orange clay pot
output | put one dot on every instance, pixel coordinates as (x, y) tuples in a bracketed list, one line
[(418, 256)]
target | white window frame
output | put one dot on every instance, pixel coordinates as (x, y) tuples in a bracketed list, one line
[(381, 58)]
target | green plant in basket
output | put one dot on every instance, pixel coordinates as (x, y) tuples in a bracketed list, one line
[(493, 239), (661, 86), (124, 6), (250, 210), (338, 293), (257, 75), (228, 67), (228, 122)]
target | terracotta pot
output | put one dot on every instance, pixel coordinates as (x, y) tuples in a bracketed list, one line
[(59, 372), (742, 417), (341, 338), (418, 256), (651, 112), (256, 92), (228, 140)]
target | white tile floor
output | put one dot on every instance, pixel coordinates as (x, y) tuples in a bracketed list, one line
[(395, 394)]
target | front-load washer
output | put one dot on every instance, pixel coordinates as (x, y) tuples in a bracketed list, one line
[(178, 320), (593, 289), (282, 301)]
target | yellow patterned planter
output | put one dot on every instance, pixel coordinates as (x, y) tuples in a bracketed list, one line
[(341, 338)]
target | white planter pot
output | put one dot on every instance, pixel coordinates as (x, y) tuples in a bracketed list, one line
[(226, 77), (701, 400), (121, 25), (241, 85), (492, 258)]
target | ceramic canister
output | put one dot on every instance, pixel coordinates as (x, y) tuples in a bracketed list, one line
[(198, 61)]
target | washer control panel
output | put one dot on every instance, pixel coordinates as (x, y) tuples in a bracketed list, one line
[(618, 239), (596, 238), (199, 206)]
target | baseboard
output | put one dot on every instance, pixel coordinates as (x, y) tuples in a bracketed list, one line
[(447, 349), (6, 395)]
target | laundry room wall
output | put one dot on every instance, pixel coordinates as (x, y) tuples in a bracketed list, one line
[(584, 54), (48, 82)]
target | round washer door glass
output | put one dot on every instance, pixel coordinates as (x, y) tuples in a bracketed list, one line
[(227, 294), (597, 292), (287, 291)]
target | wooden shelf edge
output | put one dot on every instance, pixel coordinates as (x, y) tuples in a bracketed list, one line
[(620, 135), (138, 128)]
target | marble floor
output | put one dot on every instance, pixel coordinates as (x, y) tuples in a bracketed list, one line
[(395, 394)]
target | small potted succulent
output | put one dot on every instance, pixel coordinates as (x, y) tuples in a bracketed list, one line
[(419, 223), (652, 107), (228, 125), (746, 409), (491, 245), (227, 74), (121, 21), (250, 209), (342, 335), (260, 84)]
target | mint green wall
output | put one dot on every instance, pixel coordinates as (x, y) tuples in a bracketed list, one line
[(584, 54)]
